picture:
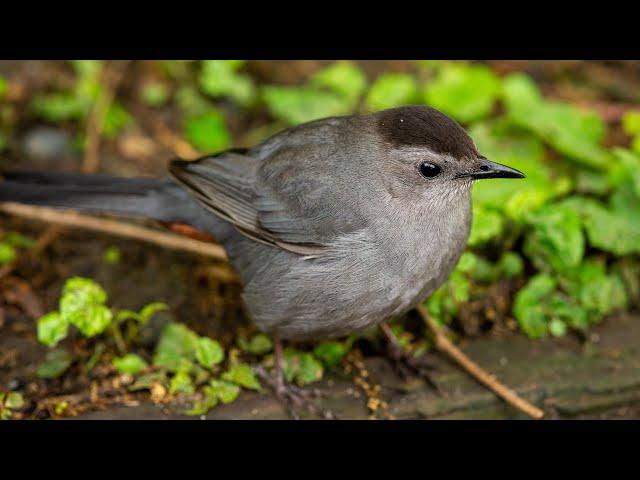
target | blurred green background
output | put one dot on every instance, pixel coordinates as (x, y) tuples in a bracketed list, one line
[(549, 255)]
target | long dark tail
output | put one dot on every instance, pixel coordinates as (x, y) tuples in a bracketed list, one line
[(157, 199)]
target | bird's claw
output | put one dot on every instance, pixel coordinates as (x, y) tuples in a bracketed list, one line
[(407, 365), (292, 396)]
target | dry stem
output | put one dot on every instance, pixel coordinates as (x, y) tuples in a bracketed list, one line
[(112, 75), (73, 219), (444, 345)]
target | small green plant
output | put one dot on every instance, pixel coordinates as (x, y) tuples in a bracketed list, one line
[(207, 131), (221, 78), (190, 361), (467, 92), (155, 94), (130, 363), (4, 86), (10, 244), (9, 403), (335, 90), (74, 105), (112, 255), (83, 305)]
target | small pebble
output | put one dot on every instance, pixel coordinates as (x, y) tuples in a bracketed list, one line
[(14, 384), (45, 143)]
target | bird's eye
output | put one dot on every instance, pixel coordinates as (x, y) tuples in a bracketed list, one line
[(429, 170)]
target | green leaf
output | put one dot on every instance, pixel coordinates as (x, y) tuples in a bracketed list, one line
[(242, 374), (4, 86), (95, 320), (7, 253), (597, 291), (528, 308), (511, 264), (150, 310), (301, 367), (208, 352), (18, 240), (55, 364), (191, 102), (590, 181), (560, 307), (155, 94), (82, 305), (631, 122), (220, 78), (52, 328), (144, 315), (572, 131), (14, 401), (177, 344), (216, 391), (466, 92), (616, 230), (258, 345), (557, 328), (343, 78), (502, 143), (112, 255), (146, 381), (116, 119), (181, 383), (331, 353), (486, 225), (208, 131), (392, 90), (130, 363), (201, 407), (96, 356), (224, 391), (59, 107), (483, 270), (628, 169), (87, 68), (557, 242), (294, 105)]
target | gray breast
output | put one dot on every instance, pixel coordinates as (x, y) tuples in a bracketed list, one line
[(363, 281)]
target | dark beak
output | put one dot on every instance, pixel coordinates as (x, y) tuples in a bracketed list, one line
[(489, 169)]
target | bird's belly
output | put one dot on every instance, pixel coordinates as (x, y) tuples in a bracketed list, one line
[(314, 301), (361, 284)]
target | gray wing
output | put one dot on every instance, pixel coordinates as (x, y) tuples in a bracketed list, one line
[(284, 200)]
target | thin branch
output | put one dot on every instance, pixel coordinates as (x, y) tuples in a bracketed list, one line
[(113, 227), (444, 345)]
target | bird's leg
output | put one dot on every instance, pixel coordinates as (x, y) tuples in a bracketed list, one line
[(291, 395), (404, 363)]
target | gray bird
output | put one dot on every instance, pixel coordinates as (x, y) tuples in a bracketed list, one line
[(334, 226)]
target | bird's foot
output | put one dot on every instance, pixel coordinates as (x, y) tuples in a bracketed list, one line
[(406, 364), (294, 398)]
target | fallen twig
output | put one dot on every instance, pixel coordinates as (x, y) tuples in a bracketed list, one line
[(73, 219), (444, 345)]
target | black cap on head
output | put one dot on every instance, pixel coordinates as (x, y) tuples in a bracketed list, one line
[(418, 125)]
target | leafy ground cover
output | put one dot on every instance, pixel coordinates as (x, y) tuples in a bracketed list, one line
[(553, 255)]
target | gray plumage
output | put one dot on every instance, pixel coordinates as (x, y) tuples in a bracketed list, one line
[(331, 225)]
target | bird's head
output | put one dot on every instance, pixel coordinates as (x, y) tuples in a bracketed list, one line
[(428, 154)]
